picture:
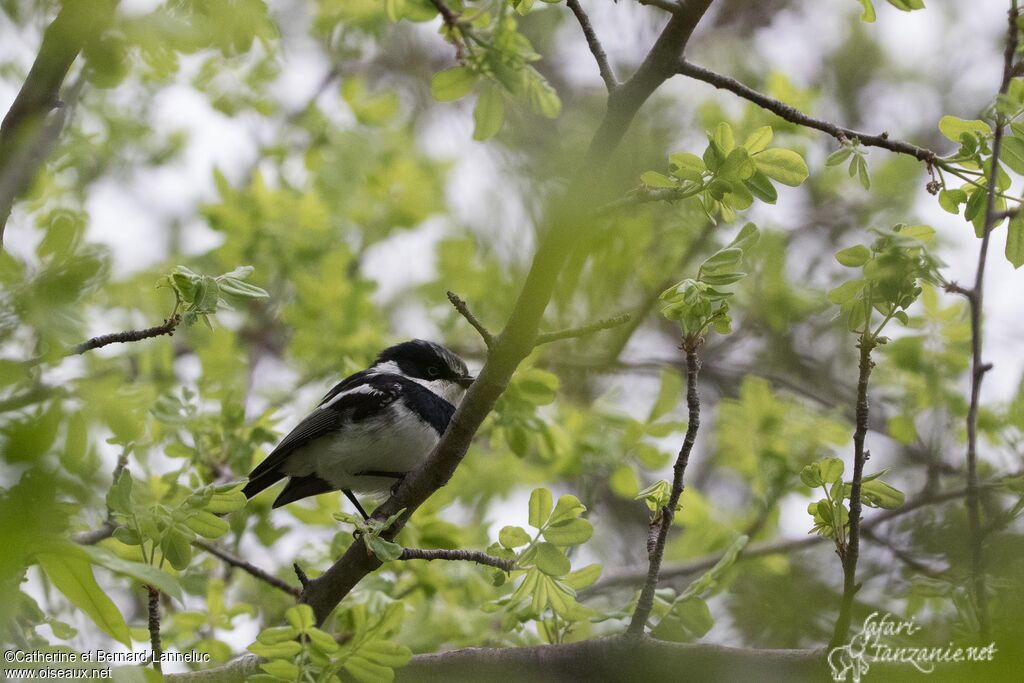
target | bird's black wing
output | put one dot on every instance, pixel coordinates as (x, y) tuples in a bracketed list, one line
[(360, 398)]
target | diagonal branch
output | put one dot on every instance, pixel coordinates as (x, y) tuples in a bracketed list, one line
[(574, 332), (26, 134), (794, 115), (247, 567), (458, 555), (596, 49), (463, 308), (516, 340), (451, 23)]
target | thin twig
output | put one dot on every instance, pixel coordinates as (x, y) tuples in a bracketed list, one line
[(656, 544), (109, 525), (301, 575), (794, 115), (596, 49), (247, 567), (975, 299), (451, 22), (153, 607), (574, 332), (463, 308), (167, 328), (458, 555)]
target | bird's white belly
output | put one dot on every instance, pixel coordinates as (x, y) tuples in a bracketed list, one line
[(396, 441)]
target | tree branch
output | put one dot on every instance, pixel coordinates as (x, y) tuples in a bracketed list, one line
[(574, 332), (247, 567), (975, 299), (463, 308), (153, 608), (665, 516), (667, 5), (516, 340), (794, 115), (458, 555), (451, 22), (596, 49), (600, 659), (850, 552), (167, 328), (25, 134)]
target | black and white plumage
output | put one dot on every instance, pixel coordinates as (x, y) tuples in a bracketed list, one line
[(371, 429)]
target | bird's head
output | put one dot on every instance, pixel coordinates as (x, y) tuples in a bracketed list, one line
[(430, 364)]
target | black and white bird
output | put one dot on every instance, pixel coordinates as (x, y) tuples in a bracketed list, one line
[(371, 429)]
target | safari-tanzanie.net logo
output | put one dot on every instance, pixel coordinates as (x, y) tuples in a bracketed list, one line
[(881, 639)]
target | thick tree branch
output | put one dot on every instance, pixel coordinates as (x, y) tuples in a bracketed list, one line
[(596, 49), (458, 555), (247, 567), (463, 308), (975, 299), (667, 5), (25, 133), (665, 516), (517, 339), (794, 115), (603, 659), (584, 331)]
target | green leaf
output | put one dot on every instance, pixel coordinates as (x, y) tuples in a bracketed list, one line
[(366, 671), (277, 634), (1013, 154), (300, 617), (878, 494), (281, 668), (839, 156), (143, 573), (845, 292), (119, 497), (452, 84), (176, 546), (1015, 241), (758, 140), (385, 551), (831, 470), (669, 391), (286, 650), (655, 179), (234, 288), (569, 532), (568, 507), (953, 127), (761, 187), (950, 200), (70, 570), (540, 507), (853, 257), (689, 620), (550, 560), (513, 536), (489, 113), (206, 524), (385, 653), (582, 578), (902, 428), (686, 166), (226, 499), (782, 165)]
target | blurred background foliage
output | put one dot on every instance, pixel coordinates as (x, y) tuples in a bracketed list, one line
[(360, 200)]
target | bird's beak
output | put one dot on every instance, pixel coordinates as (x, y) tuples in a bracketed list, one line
[(464, 382)]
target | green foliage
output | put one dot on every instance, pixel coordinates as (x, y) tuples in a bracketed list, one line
[(831, 513), (893, 271), (729, 176), (697, 304), (868, 13), (200, 296)]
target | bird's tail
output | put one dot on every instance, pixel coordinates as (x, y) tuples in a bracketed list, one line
[(261, 481)]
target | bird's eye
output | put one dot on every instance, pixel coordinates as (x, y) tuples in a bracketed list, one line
[(432, 371)]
